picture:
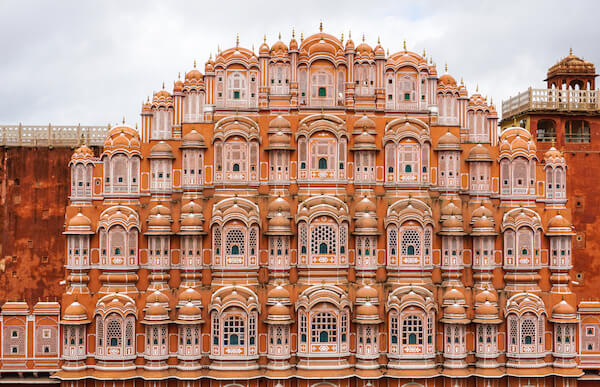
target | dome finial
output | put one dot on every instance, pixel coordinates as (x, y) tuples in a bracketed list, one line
[(279, 36), (301, 37), (321, 26), (477, 88), (237, 40), (424, 53), (163, 85), (253, 48), (570, 50), (123, 120), (179, 75), (446, 67), (293, 33), (349, 34), (210, 56), (342, 38), (265, 38), (405, 45), (363, 37), (195, 61), (378, 39)]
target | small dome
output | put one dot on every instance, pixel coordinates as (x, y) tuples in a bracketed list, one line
[(454, 309), (367, 309), (453, 294), (80, 221), (159, 209), (279, 139), (452, 222), (367, 292), (157, 297), (75, 311), (486, 309), (191, 207), (278, 292), (364, 49), (177, 86), (189, 310), (279, 47), (451, 209), (263, 49), (483, 222), (279, 204), (82, 153), (191, 295), (479, 153), (447, 80), (162, 94), (193, 140), (366, 221), (559, 221), (552, 153), (279, 221), (365, 205), (279, 310), (519, 143), (191, 220), (161, 150), (448, 139), (563, 308), (279, 123), (484, 296), (482, 211), (193, 74), (364, 124), (365, 139)]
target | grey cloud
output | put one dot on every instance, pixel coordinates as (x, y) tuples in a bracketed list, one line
[(95, 61)]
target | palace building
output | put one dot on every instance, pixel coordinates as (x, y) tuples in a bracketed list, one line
[(319, 213)]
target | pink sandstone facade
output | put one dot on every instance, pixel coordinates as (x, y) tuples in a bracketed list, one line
[(316, 214)]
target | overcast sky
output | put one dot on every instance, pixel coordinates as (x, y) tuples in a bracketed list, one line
[(93, 62)]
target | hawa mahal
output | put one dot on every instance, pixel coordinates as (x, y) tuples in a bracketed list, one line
[(317, 213)]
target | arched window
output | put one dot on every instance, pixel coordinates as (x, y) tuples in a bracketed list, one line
[(323, 248), (234, 330), (412, 330), (324, 328), (114, 333), (322, 163), (410, 250), (236, 167), (408, 168), (235, 250)]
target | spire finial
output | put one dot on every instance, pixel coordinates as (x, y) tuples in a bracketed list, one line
[(378, 39), (265, 38), (321, 26), (163, 85), (477, 88), (179, 75), (349, 34), (570, 50), (293, 33), (363, 36), (405, 45), (279, 36), (210, 56), (123, 120), (446, 67), (342, 38), (301, 37), (424, 53), (195, 61), (461, 81), (237, 40), (388, 52)]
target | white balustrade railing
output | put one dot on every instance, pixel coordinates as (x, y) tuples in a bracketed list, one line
[(52, 135), (551, 99)]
